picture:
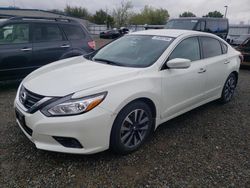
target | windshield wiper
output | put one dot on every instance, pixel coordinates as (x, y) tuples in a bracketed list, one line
[(107, 61)]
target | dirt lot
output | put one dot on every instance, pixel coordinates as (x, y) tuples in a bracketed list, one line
[(207, 147)]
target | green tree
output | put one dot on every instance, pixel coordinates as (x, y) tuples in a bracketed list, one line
[(78, 12), (187, 14), (121, 13), (102, 17), (150, 15), (214, 14)]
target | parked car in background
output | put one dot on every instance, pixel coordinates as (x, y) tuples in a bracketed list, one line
[(124, 30), (217, 26), (27, 43), (118, 95), (114, 33), (239, 40), (244, 48), (110, 34)]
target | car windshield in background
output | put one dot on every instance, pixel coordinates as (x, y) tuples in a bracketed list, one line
[(3, 20), (133, 50), (181, 24)]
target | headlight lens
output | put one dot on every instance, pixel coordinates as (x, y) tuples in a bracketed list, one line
[(74, 106)]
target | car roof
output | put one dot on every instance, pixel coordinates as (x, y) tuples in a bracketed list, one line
[(166, 32), (198, 18), (39, 20)]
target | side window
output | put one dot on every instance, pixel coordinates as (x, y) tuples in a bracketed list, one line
[(212, 26), (223, 26), (187, 49), (47, 33), (224, 48), (200, 26), (211, 47), (14, 34), (73, 32)]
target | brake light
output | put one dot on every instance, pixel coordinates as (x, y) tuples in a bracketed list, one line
[(92, 44)]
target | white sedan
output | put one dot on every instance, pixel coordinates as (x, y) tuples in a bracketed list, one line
[(117, 96)]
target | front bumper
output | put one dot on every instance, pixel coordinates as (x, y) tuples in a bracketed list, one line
[(91, 129)]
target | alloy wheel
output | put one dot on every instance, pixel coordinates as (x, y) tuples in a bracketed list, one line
[(230, 88), (134, 128)]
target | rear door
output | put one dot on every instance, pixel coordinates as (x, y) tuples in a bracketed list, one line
[(216, 62), (49, 43), (78, 38), (15, 50)]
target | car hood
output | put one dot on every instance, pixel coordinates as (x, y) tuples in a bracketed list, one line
[(74, 74)]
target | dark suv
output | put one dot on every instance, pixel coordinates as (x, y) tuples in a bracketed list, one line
[(28, 43)]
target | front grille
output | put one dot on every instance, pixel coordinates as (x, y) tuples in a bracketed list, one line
[(28, 98)]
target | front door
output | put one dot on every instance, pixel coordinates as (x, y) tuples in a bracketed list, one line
[(182, 89), (15, 50)]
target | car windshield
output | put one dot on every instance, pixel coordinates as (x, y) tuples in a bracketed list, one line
[(181, 24), (133, 50)]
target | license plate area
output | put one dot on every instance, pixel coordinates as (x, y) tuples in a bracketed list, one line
[(21, 119)]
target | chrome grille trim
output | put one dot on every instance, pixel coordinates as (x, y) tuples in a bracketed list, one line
[(29, 101)]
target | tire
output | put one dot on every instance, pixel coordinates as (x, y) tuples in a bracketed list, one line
[(131, 128), (228, 89)]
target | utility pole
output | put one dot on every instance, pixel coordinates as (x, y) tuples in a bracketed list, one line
[(226, 11)]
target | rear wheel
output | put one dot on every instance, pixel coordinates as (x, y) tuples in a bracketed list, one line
[(229, 88), (131, 128)]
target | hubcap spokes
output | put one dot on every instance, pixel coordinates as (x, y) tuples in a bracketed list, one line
[(134, 128), (229, 89)]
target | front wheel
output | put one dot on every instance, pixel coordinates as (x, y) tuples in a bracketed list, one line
[(229, 88), (131, 128)]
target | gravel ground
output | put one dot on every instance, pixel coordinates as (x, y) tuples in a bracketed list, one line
[(207, 147)]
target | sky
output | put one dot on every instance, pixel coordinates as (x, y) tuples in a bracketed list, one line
[(238, 10)]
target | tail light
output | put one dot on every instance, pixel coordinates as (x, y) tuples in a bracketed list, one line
[(92, 44)]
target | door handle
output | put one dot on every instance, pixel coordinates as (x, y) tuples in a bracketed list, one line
[(65, 46), (226, 62), (26, 49), (202, 70)]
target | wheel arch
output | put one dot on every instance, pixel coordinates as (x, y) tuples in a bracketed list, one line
[(151, 105), (236, 74)]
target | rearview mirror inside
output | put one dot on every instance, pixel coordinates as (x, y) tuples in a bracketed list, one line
[(178, 63)]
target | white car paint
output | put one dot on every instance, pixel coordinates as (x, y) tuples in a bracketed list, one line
[(173, 92)]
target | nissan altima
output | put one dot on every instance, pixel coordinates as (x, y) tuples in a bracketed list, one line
[(117, 96)]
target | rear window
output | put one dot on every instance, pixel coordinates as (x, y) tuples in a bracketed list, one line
[(47, 33), (74, 32), (211, 47), (224, 48)]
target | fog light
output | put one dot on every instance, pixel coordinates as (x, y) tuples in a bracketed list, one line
[(68, 142)]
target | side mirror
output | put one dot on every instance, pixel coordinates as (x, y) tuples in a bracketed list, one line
[(179, 63)]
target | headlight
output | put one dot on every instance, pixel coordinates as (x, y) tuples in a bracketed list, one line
[(67, 106)]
